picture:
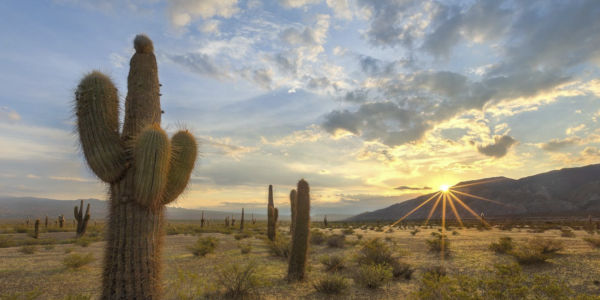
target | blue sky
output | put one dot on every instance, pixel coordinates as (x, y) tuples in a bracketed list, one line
[(370, 101)]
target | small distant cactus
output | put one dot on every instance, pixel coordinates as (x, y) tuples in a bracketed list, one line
[(242, 221), (325, 221), (272, 214), (36, 233), (227, 221), (299, 249), (145, 171), (82, 220), (232, 221), (46, 222), (253, 219), (61, 221), (202, 220)]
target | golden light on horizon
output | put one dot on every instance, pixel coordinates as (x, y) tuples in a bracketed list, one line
[(448, 195)]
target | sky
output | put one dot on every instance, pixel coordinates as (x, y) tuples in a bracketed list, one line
[(372, 102)]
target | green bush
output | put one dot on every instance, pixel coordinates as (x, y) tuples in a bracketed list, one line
[(245, 248), (375, 252), (435, 244), (347, 231), (332, 263), (6, 242), (238, 280), (28, 249), (317, 237), (76, 261), (280, 246), (374, 276), (242, 235), (536, 250), (566, 232), (414, 232), (503, 246), (204, 246), (83, 242), (331, 284), (336, 241)]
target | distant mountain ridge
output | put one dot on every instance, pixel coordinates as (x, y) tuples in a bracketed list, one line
[(564, 192), (30, 207)]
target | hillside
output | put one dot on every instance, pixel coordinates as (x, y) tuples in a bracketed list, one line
[(565, 192)]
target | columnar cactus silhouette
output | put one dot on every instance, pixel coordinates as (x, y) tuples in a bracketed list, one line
[(46, 222), (82, 220), (299, 250), (325, 221), (293, 210), (242, 221), (271, 219), (61, 221), (144, 169), (202, 221), (36, 233)]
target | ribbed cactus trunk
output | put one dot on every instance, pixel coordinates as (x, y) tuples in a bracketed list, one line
[(36, 233), (82, 220), (242, 220), (271, 223), (293, 210), (299, 251), (144, 168)]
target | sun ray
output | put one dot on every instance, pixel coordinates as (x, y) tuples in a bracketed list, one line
[(414, 209), (480, 198), (437, 201), (477, 183), (455, 212), (468, 209)]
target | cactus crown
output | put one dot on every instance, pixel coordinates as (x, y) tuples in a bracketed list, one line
[(161, 167)]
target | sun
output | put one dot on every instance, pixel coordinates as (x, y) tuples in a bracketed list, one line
[(444, 188)]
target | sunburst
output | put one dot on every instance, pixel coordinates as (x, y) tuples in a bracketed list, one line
[(448, 196)]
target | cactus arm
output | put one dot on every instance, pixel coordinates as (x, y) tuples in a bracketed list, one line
[(151, 154), (142, 105), (184, 151), (97, 111)]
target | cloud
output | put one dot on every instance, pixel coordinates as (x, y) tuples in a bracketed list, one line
[(297, 3), (557, 144), (200, 63), (591, 151), (183, 12), (575, 129), (211, 26), (8, 115), (341, 9), (412, 188), (499, 147)]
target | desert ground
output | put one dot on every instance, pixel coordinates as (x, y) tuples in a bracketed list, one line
[(574, 270)]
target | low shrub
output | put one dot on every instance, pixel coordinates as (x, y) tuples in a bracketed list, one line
[(331, 284), (593, 241), (76, 261), (567, 233), (245, 248), (336, 241), (28, 249), (438, 244), (536, 250), (280, 246), (347, 231), (238, 280), (203, 246), (374, 276), (242, 235), (332, 263), (5, 242), (503, 246), (317, 237), (83, 242), (414, 232)]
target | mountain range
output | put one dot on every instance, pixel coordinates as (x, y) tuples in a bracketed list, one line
[(559, 193)]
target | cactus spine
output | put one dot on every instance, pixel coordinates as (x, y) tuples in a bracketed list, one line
[(293, 210), (82, 220), (271, 219), (299, 251), (144, 169), (36, 233), (242, 221)]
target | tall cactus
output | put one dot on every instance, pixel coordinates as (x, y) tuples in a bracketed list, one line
[(202, 221), (144, 169), (36, 233), (271, 223), (82, 220), (46, 222), (242, 221), (293, 210), (61, 221), (299, 251)]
